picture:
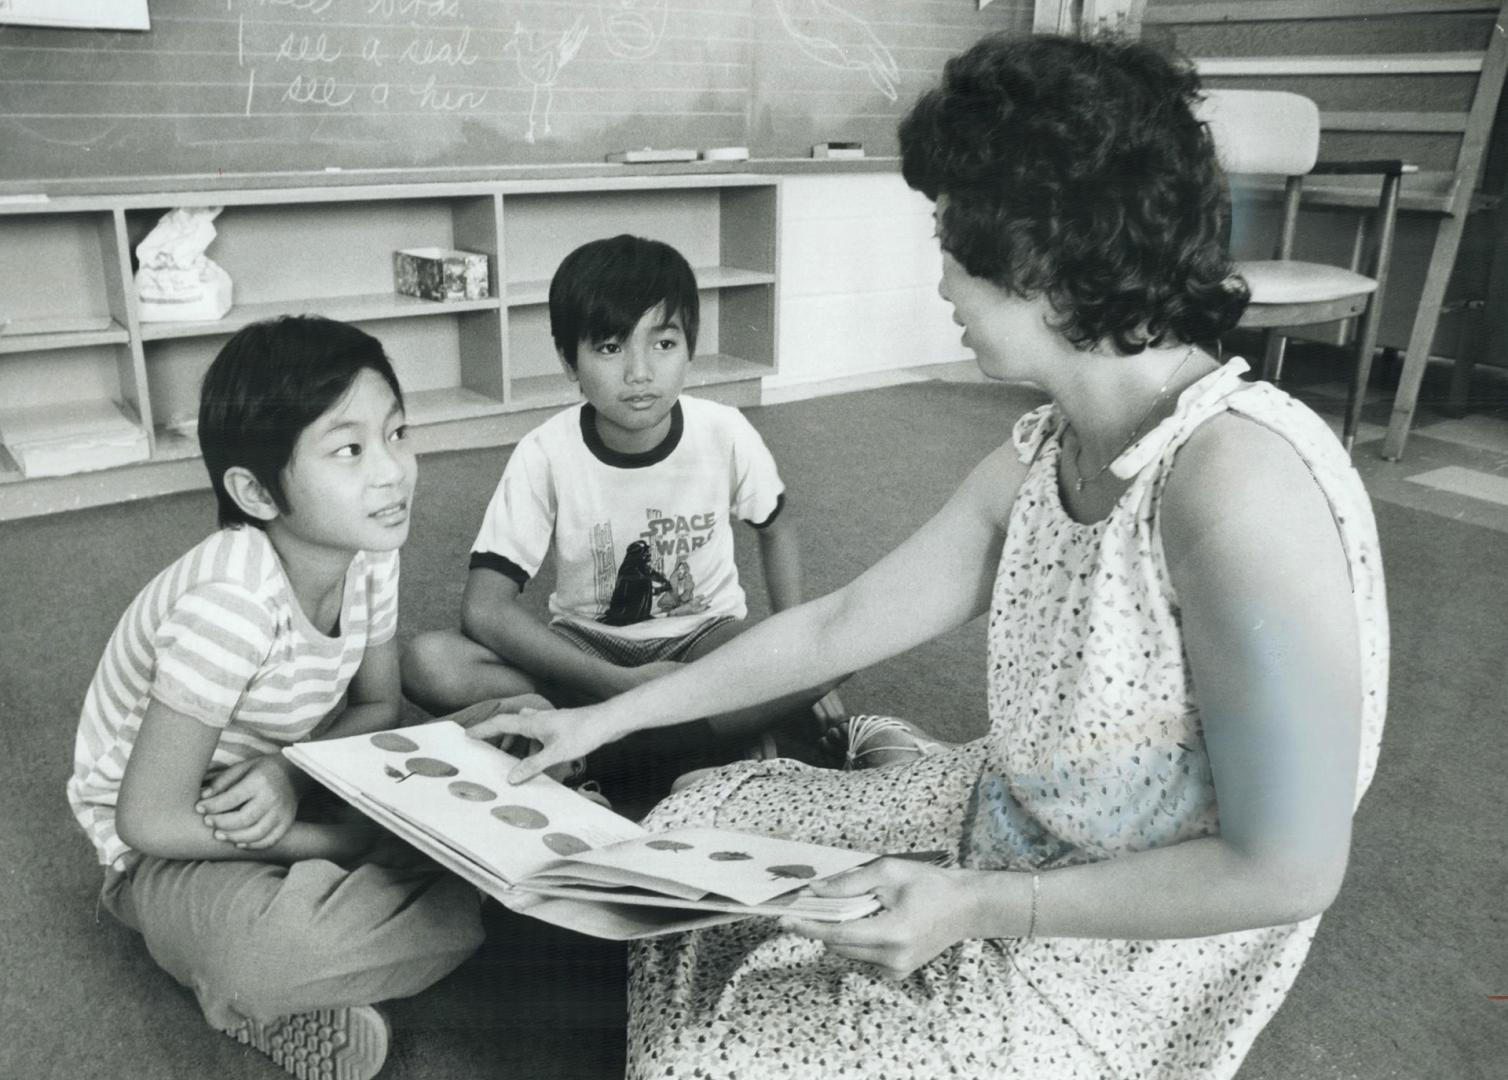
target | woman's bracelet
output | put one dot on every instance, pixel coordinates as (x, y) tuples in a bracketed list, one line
[(1031, 923)]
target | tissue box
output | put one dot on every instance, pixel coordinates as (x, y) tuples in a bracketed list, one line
[(201, 295), (440, 274)]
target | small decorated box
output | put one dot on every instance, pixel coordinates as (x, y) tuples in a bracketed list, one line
[(440, 274)]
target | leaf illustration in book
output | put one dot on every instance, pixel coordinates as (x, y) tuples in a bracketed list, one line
[(667, 845), (520, 817), (471, 792), (793, 872), (565, 845), (391, 740), (423, 766), (729, 856)]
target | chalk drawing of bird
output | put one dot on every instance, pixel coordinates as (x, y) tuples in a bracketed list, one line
[(838, 38), (541, 56)]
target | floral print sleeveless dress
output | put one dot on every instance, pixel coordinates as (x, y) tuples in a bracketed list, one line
[(1095, 749)]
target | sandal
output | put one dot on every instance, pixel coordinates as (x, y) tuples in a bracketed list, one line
[(591, 790), (866, 737)]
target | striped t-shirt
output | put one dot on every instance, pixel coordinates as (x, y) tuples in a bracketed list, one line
[(219, 636)]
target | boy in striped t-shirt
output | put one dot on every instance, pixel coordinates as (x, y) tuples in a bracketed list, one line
[(277, 628)]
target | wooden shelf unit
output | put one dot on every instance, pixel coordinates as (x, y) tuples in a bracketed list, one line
[(475, 373)]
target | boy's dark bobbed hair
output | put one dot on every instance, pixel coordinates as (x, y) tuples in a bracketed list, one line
[(268, 383), (602, 289), (1077, 171)]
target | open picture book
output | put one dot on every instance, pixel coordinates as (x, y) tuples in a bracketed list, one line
[(542, 849)]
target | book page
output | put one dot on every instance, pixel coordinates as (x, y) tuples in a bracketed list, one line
[(800, 905), (583, 911), (615, 922), (448, 794), (744, 867), (455, 788), (570, 872)]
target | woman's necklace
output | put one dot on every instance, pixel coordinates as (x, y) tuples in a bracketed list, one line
[(1080, 481)]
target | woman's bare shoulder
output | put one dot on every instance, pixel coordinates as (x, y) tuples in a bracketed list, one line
[(1242, 488), (995, 482)]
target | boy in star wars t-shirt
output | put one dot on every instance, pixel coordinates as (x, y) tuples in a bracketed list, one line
[(643, 540), (636, 490)]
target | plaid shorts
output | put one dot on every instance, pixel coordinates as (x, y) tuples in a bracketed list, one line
[(625, 652)]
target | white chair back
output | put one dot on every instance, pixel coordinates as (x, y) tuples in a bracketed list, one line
[(1262, 131)]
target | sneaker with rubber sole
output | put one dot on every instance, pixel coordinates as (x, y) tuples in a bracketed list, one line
[(328, 1044)]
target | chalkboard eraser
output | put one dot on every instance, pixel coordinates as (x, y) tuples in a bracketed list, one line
[(649, 154), (726, 153), (838, 150)]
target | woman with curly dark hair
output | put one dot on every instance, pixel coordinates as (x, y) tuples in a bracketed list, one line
[(1187, 650)]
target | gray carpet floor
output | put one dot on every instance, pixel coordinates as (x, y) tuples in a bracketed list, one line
[(1398, 984)]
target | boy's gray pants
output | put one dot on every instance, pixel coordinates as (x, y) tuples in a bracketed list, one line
[(257, 940)]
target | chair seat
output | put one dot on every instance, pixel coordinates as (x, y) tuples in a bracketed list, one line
[(1289, 282)]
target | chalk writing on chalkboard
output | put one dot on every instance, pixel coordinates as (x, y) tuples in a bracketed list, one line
[(310, 86)]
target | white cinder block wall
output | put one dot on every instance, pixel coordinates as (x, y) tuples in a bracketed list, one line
[(858, 281)]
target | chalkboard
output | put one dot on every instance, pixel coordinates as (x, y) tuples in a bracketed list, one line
[(270, 86)]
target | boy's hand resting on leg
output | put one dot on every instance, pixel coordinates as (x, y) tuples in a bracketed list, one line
[(252, 803)]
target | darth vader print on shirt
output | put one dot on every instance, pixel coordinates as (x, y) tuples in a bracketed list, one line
[(641, 587)]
